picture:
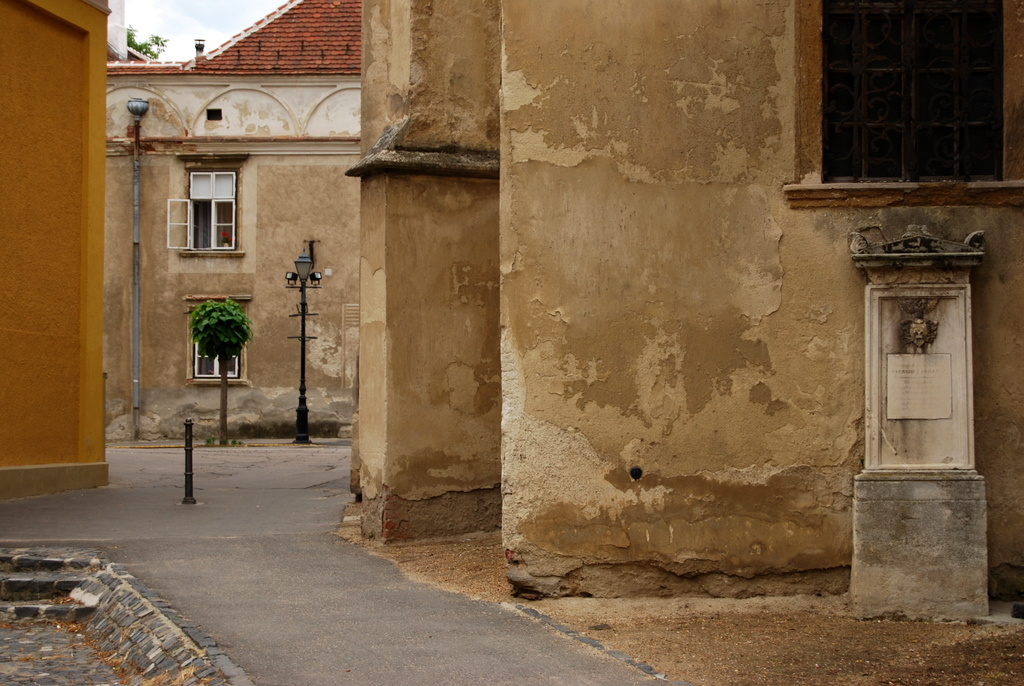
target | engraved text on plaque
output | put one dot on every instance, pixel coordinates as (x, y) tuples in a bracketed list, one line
[(919, 387)]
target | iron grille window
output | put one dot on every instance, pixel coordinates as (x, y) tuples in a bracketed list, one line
[(913, 90)]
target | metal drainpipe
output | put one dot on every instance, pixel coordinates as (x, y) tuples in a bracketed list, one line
[(138, 108)]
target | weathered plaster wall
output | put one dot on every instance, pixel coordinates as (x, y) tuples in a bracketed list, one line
[(51, 221), (387, 58), (429, 395), (664, 308), (998, 401), (289, 191), (446, 80)]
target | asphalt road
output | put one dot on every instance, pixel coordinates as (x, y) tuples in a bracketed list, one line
[(257, 566)]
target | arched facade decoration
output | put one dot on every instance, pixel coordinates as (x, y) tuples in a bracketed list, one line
[(165, 118), (246, 112), (335, 115)]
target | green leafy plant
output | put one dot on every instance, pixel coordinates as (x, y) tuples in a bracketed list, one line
[(151, 47), (221, 329), (210, 440)]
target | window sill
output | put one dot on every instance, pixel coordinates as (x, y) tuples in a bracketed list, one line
[(216, 382), (211, 253), (898, 194)]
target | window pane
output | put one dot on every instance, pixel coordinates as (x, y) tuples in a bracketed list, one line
[(980, 156), (839, 38), (939, 148), (881, 151), (981, 41), (840, 154), (225, 223), (224, 185), (202, 228), (937, 42), (225, 213), (980, 98), (883, 41), (202, 185), (882, 97), (936, 98), (206, 366)]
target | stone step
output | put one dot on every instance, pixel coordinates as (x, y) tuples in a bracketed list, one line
[(68, 612), (30, 560), (22, 587)]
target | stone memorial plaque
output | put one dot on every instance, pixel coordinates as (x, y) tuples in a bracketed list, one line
[(919, 387)]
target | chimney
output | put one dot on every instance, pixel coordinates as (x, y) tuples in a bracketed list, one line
[(200, 44), (117, 32)]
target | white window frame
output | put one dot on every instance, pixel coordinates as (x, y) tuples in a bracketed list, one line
[(235, 363), (219, 189)]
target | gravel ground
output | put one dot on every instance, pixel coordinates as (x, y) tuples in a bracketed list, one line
[(790, 641)]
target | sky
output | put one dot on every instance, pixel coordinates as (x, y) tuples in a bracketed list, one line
[(182, 21)]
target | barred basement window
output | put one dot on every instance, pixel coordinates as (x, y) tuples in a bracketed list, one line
[(913, 90)]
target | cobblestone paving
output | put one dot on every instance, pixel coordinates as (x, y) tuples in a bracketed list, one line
[(42, 654)]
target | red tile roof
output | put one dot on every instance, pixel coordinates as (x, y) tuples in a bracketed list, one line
[(300, 37)]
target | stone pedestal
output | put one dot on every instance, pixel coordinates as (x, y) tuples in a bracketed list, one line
[(919, 511), (919, 545)]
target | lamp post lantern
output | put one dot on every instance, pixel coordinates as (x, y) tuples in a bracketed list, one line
[(302, 275)]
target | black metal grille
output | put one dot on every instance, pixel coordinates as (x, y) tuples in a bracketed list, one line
[(913, 90)]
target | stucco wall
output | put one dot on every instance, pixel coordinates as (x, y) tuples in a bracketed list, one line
[(415, 65), (430, 398), (666, 308), (51, 200), (430, 403)]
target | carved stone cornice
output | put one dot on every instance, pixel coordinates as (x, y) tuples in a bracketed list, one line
[(389, 156), (917, 248)]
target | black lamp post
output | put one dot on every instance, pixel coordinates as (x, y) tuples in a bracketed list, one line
[(137, 107), (303, 273)]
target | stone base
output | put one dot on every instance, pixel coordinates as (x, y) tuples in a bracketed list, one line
[(30, 480), (920, 545), (391, 518), (647, 580)]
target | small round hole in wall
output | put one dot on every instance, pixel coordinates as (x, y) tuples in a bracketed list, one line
[(636, 473)]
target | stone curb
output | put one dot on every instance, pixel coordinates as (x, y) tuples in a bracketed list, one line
[(135, 623), (593, 643), (120, 613)]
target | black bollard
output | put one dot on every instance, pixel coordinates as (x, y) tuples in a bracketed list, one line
[(188, 499)]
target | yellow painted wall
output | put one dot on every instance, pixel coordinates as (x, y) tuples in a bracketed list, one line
[(52, 76)]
